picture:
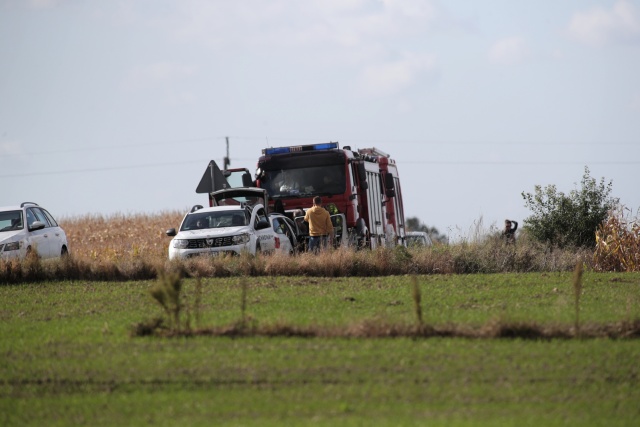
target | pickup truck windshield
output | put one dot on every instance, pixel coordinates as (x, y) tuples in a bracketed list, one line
[(199, 221)]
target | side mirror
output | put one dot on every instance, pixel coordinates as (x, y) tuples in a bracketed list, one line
[(388, 182), (36, 225), (262, 224), (362, 176), (389, 185), (246, 180), (171, 232)]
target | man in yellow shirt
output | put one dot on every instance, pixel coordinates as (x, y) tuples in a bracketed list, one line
[(320, 226)]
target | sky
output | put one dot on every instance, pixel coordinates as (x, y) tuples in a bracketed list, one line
[(116, 107)]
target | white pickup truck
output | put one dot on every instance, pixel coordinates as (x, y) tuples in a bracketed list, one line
[(236, 223)]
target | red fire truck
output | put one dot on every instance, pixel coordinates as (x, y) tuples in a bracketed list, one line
[(360, 188)]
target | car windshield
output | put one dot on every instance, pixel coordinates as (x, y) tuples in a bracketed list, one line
[(203, 220), (320, 180), (11, 220), (237, 198), (416, 241)]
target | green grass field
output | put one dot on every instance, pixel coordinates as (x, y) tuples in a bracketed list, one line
[(67, 355)]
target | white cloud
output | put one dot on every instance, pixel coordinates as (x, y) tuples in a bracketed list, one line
[(388, 78), (508, 51), (599, 26), (154, 75), (291, 23), (416, 9), (357, 34)]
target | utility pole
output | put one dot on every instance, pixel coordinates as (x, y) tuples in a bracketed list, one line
[(227, 162)]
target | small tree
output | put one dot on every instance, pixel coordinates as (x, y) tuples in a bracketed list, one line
[(569, 220)]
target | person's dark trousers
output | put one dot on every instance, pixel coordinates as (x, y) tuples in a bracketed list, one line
[(317, 242)]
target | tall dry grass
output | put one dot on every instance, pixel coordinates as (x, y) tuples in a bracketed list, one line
[(618, 242), (135, 247)]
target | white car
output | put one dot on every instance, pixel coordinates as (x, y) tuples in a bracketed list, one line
[(27, 228), (236, 224), (286, 233), (417, 238)]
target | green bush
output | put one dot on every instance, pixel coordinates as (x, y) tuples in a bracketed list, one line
[(572, 219)]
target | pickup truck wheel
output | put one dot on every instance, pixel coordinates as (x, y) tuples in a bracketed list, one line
[(258, 248)]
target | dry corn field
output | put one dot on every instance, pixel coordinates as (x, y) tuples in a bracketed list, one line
[(118, 238), (135, 247), (138, 241), (618, 244)]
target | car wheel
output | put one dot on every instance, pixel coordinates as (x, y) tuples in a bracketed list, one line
[(64, 252)]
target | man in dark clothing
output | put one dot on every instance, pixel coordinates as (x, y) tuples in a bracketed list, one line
[(509, 232)]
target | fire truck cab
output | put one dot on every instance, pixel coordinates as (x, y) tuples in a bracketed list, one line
[(360, 188)]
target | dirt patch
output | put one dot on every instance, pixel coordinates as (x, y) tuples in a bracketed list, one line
[(491, 330)]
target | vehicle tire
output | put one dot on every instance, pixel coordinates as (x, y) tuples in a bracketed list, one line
[(258, 248), (64, 252)]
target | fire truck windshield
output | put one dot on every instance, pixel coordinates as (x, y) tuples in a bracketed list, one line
[(305, 182)]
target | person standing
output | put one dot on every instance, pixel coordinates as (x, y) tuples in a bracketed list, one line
[(509, 232), (320, 226)]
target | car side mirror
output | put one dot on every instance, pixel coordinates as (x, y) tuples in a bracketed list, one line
[(36, 225), (246, 180), (262, 224), (171, 232)]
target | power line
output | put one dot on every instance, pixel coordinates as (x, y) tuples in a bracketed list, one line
[(351, 141), (109, 147), (515, 163), (268, 141), (424, 162), (111, 168)]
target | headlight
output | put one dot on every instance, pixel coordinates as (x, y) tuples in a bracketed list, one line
[(241, 239), (13, 246), (180, 243)]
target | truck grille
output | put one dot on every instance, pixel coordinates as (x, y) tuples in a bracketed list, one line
[(214, 242)]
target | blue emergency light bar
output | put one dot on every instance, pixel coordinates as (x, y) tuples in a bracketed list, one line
[(299, 148)]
